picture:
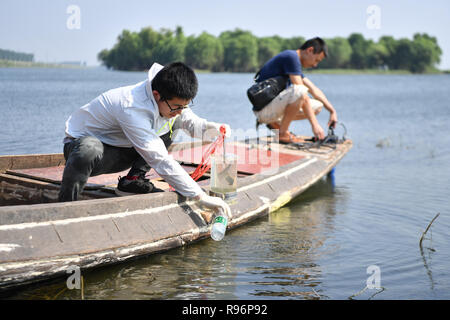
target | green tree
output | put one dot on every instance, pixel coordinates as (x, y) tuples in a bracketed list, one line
[(415, 56), (404, 54), (15, 56), (126, 53), (390, 44), (339, 53), (359, 58), (426, 53), (204, 52), (240, 51), (104, 56), (377, 55), (267, 48), (149, 39), (170, 47), (292, 43)]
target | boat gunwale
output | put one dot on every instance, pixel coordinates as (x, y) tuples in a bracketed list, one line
[(147, 201), (154, 199)]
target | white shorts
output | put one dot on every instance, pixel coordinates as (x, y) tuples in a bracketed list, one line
[(274, 111)]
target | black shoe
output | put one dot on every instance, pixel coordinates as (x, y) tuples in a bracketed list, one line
[(135, 185)]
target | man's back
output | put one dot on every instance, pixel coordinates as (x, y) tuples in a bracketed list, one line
[(283, 64), (99, 117)]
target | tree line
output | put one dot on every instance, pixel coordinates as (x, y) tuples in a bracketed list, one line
[(15, 56), (241, 51)]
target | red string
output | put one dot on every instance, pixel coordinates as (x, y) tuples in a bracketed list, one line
[(205, 164)]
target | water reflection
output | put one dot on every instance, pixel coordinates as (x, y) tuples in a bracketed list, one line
[(196, 272), (430, 250), (272, 257), (290, 245)]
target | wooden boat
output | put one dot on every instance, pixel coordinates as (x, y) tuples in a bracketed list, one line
[(41, 238)]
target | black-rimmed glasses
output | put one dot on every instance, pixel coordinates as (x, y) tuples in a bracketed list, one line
[(181, 108)]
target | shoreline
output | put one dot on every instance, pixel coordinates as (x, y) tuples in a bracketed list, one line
[(349, 71), (27, 64), (372, 71)]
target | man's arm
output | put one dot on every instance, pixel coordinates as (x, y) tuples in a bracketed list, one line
[(200, 128), (307, 110), (319, 95), (152, 149)]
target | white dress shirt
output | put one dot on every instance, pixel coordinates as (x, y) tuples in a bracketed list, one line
[(129, 117)]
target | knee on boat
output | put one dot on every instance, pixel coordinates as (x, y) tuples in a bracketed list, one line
[(90, 149)]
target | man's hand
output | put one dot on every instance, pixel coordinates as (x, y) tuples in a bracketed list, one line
[(333, 120), (213, 130), (214, 203), (227, 130), (318, 132)]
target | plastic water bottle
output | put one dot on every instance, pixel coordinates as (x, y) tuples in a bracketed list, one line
[(219, 226)]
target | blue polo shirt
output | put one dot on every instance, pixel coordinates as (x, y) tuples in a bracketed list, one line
[(283, 64)]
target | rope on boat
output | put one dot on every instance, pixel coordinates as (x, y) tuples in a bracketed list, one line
[(330, 141), (205, 164)]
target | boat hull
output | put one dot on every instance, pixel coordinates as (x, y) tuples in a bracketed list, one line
[(43, 241)]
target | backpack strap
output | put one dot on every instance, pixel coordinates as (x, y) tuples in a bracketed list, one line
[(257, 75)]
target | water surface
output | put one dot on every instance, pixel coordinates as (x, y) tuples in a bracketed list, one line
[(385, 192)]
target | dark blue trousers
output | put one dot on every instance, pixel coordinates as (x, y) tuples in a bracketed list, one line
[(88, 156)]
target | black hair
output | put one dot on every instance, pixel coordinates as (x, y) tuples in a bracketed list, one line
[(318, 44), (176, 80)]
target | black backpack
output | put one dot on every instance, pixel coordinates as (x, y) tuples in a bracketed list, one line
[(261, 93)]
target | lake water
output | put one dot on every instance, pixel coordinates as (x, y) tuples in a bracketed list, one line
[(324, 245)]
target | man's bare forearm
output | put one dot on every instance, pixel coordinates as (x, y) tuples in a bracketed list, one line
[(319, 95), (308, 111)]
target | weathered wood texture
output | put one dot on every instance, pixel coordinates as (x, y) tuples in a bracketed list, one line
[(31, 161)]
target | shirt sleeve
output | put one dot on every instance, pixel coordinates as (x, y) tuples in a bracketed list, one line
[(136, 125), (192, 124), (291, 65)]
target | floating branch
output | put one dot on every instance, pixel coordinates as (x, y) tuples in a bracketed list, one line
[(381, 289), (426, 230)]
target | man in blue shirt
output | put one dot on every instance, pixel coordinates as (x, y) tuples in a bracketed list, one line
[(293, 103)]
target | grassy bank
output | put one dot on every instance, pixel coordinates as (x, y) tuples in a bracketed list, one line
[(356, 71), (371, 71), (28, 64)]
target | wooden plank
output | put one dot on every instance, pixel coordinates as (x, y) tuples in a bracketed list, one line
[(40, 241), (90, 236), (54, 175), (31, 161), (30, 191)]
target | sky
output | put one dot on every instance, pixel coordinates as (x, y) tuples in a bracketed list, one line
[(77, 30)]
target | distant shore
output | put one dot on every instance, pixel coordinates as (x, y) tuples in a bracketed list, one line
[(29, 64), (371, 71), (354, 71), (26, 64)]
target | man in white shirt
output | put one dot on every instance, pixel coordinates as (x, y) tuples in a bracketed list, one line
[(132, 126)]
